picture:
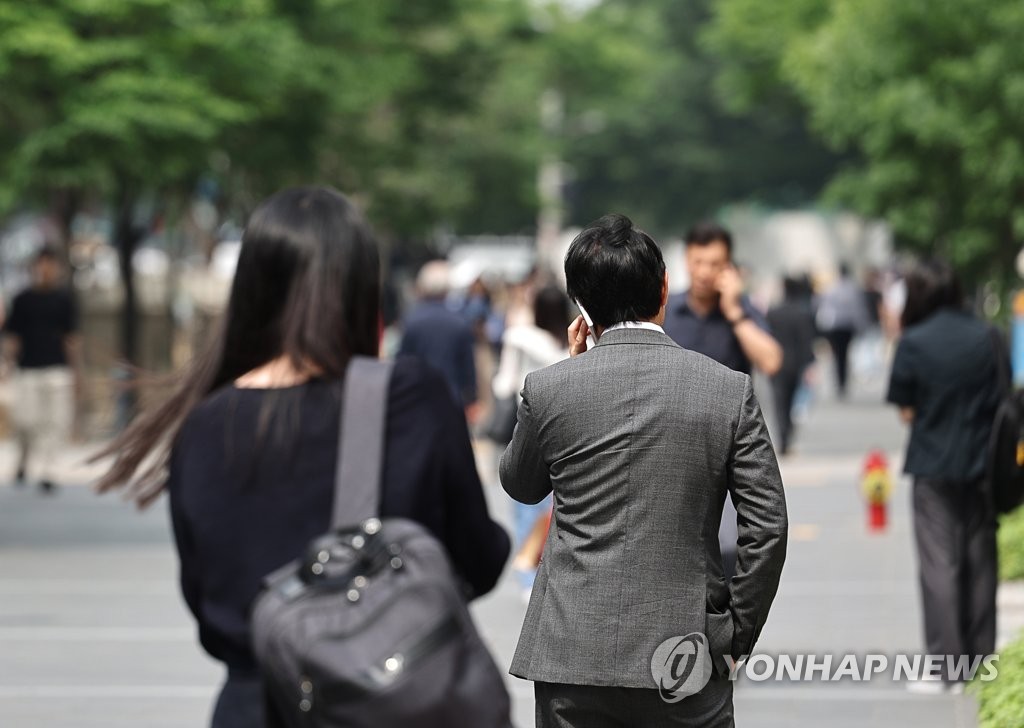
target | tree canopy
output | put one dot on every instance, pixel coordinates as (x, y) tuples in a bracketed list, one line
[(429, 112), (928, 99)]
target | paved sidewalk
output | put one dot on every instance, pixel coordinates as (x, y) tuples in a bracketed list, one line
[(93, 631)]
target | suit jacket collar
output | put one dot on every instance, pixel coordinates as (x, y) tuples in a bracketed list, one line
[(635, 336)]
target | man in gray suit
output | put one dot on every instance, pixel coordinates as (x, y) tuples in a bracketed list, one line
[(631, 621)]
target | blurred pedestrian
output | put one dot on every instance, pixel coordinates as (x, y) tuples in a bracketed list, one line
[(475, 306), (792, 325), (842, 312), (639, 440), (247, 444), (41, 336), (525, 349), (716, 319), (441, 337), (871, 359), (945, 382)]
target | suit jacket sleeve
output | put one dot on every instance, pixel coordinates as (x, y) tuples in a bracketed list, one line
[(762, 524), (524, 474)]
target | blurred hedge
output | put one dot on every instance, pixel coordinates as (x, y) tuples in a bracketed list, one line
[(1001, 701), (1011, 546)]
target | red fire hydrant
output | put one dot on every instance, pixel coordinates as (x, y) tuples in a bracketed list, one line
[(876, 484)]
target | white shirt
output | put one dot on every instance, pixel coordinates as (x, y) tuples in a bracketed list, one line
[(524, 349), (635, 325)]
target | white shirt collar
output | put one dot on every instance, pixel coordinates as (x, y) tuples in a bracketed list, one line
[(635, 325)]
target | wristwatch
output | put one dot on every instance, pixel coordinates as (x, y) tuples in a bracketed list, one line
[(737, 321)]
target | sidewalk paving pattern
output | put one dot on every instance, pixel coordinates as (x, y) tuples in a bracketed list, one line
[(93, 631)]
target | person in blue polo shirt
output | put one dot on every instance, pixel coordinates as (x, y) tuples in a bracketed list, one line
[(714, 318)]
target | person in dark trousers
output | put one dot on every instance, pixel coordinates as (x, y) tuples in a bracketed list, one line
[(945, 382), (41, 336), (639, 440), (842, 312), (792, 324), (714, 318), (249, 438), (442, 337)]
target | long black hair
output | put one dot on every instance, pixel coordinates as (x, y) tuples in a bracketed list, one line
[(931, 285), (307, 287)]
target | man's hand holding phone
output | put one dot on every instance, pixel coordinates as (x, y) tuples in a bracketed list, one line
[(578, 333), (730, 290)]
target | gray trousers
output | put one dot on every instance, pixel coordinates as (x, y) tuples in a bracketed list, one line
[(955, 530), (591, 706)]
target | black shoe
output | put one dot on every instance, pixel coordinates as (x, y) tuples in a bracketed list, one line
[(47, 487), (19, 479)]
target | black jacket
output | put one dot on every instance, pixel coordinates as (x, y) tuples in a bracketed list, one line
[(248, 492), (793, 327)]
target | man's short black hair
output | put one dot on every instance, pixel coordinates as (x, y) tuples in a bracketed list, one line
[(705, 233), (615, 272), (931, 284)]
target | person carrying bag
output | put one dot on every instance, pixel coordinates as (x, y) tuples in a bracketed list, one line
[(370, 627), (246, 446)]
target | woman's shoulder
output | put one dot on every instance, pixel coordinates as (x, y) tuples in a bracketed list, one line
[(413, 384), (207, 416)]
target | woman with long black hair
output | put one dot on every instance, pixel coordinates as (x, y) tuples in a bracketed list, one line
[(945, 382), (246, 445)]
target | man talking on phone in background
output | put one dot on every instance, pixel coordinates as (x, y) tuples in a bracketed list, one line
[(640, 440), (715, 319)]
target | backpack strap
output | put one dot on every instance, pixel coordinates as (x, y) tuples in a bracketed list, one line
[(364, 410)]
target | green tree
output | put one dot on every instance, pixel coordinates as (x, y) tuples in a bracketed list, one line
[(932, 96), (675, 152), (587, 64), (119, 100), (927, 98), (125, 101)]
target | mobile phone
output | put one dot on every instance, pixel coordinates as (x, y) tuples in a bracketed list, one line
[(591, 337)]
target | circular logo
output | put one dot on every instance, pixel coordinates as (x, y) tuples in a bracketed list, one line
[(681, 666)]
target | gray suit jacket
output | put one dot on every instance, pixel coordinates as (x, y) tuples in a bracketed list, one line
[(640, 439)]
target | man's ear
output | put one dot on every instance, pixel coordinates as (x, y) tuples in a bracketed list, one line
[(664, 290)]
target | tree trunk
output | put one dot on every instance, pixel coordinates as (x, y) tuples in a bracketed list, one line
[(64, 206), (127, 236)]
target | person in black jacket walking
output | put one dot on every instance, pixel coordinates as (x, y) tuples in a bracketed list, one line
[(792, 324), (246, 447), (945, 382)]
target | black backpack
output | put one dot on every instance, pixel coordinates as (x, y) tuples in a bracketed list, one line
[(1006, 447), (370, 627)]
